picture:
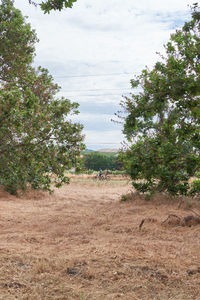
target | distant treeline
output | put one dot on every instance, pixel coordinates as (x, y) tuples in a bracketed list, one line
[(97, 160)]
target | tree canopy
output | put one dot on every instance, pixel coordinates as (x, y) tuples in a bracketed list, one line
[(48, 5), (163, 116), (38, 139), (97, 160)]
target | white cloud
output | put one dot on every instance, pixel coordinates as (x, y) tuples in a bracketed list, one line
[(102, 37), (97, 122), (98, 140)]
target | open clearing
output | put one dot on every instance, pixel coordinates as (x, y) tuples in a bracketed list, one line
[(82, 243)]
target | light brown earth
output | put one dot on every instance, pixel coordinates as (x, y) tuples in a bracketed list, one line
[(82, 243)]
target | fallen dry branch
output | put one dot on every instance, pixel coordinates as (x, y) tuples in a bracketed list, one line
[(180, 203), (141, 224), (190, 220), (186, 221), (194, 212), (169, 216)]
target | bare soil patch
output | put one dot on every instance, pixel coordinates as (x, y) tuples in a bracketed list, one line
[(82, 243)]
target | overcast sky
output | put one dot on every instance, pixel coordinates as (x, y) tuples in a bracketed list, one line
[(95, 48)]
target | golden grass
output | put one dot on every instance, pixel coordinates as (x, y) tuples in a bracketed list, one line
[(91, 177), (82, 242)]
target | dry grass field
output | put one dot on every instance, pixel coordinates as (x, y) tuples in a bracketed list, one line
[(82, 243)]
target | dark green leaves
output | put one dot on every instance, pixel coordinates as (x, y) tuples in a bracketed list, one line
[(17, 42), (39, 142), (164, 117), (49, 5)]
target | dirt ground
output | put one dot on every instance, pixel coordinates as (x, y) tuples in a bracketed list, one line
[(82, 243)]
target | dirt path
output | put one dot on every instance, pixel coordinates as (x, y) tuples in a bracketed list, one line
[(83, 243)]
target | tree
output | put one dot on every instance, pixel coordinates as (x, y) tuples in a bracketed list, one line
[(17, 43), (38, 139), (49, 5), (97, 160), (163, 117)]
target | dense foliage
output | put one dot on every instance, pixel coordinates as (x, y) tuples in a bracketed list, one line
[(38, 140), (96, 160), (163, 117), (49, 5)]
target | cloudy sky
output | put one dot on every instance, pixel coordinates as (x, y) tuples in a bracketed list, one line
[(95, 48)]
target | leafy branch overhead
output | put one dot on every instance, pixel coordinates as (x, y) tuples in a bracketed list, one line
[(38, 139), (163, 117), (49, 5)]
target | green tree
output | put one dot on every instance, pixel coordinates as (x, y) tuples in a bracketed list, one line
[(96, 160), (17, 43), (49, 5), (38, 139), (163, 116)]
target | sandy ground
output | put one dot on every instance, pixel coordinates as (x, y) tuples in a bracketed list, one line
[(82, 243)]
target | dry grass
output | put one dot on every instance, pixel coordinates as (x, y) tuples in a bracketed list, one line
[(92, 177), (83, 243)]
